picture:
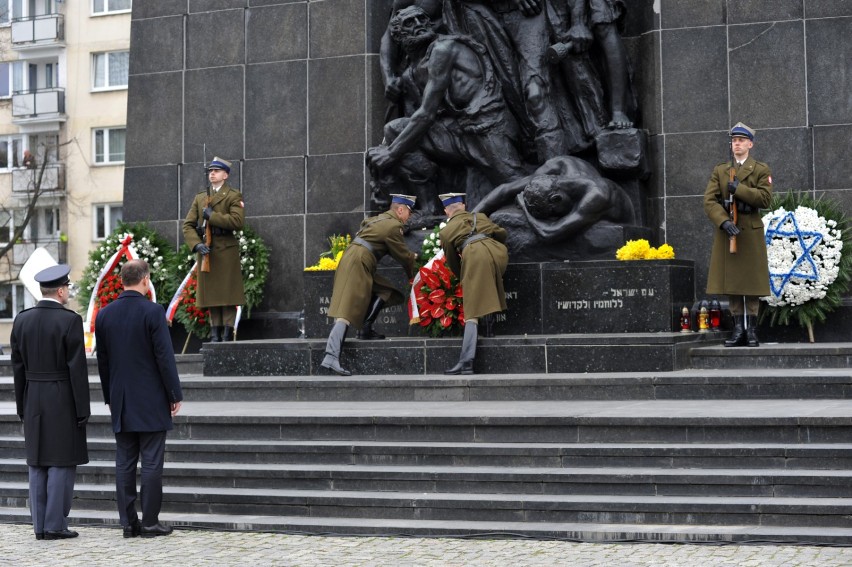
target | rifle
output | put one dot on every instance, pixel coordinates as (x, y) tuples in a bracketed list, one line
[(732, 205), (205, 226)]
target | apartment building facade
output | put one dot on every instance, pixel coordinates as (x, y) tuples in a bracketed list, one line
[(63, 105)]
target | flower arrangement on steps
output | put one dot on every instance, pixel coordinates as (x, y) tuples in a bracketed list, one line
[(809, 248)]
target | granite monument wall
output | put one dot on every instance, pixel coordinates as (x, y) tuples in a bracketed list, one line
[(291, 92)]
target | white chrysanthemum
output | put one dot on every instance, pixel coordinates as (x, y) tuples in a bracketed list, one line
[(783, 251)]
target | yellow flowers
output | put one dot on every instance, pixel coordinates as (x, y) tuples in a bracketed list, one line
[(329, 260), (642, 250)]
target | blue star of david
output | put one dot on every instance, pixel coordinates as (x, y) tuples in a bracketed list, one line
[(808, 240)]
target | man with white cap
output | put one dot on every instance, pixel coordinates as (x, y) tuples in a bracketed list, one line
[(359, 293), (221, 289), (744, 274), (476, 252), (52, 399)]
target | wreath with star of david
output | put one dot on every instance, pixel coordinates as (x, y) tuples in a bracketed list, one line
[(809, 248)]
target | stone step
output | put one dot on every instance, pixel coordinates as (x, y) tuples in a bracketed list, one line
[(186, 364), (630, 481), (609, 509), (836, 456), (619, 421), (775, 355), (683, 384), (514, 354), (580, 531)]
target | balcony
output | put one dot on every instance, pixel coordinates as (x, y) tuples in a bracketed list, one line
[(40, 33), (23, 250), (40, 107), (52, 182)]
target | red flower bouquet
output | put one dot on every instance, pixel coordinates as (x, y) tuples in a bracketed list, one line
[(438, 295)]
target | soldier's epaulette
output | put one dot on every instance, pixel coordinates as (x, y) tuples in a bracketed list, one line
[(761, 163), (725, 163)]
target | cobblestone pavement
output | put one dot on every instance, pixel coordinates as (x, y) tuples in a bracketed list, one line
[(103, 546)]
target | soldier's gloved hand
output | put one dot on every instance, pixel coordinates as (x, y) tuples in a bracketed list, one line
[(732, 186), (202, 249), (730, 228), (207, 212), (82, 421)]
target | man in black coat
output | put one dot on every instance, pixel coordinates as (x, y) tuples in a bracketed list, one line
[(52, 398), (140, 383)]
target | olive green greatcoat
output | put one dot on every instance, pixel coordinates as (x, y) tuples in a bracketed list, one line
[(747, 271), (223, 284), (481, 265), (356, 280)]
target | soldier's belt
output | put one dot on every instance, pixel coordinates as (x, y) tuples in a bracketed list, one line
[(470, 240), (33, 376), (216, 231), (361, 242)]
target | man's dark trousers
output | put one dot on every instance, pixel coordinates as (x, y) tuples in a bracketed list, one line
[(51, 492), (128, 447)]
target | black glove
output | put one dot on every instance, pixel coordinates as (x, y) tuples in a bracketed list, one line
[(81, 421), (732, 187), (207, 212), (730, 228), (202, 249)]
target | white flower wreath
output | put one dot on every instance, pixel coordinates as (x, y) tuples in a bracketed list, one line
[(804, 251)]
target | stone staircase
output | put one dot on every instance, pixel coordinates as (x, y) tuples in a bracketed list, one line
[(706, 453)]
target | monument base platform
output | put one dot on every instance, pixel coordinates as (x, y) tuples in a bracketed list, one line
[(550, 298), (513, 354)]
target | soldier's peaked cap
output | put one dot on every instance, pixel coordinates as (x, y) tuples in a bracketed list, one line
[(740, 130), (407, 200), (54, 276), (450, 198), (219, 163)]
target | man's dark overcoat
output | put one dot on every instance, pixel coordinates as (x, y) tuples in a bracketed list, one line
[(747, 271), (136, 364), (51, 384), (356, 280), (223, 284), (480, 266)]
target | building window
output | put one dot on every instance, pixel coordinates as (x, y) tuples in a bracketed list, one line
[(7, 227), (43, 225), (11, 78), (109, 70), (11, 300), (100, 7), (11, 152), (109, 145), (9, 10), (106, 219)]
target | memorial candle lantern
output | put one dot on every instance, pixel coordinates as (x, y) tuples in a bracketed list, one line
[(715, 315), (685, 321), (703, 319)]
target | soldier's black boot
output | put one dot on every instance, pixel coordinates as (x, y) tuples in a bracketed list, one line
[(751, 332), (333, 348), (215, 334), (738, 337), (228, 335), (367, 333), (468, 351)]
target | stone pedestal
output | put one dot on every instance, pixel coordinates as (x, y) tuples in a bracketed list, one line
[(550, 298)]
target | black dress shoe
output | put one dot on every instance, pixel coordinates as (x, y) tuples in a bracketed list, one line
[(40, 535), (64, 534), (157, 529), (133, 530)]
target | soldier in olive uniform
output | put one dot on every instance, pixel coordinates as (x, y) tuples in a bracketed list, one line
[(52, 398), (359, 293), (476, 252), (744, 275), (220, 289)]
